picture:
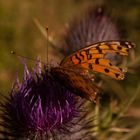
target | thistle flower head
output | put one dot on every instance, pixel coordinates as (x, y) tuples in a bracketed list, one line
[(38, 108)]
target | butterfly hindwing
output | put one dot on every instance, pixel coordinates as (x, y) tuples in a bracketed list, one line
[(76, 82), (105, 66)]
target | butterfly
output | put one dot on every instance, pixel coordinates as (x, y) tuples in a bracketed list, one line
[(73, 69)]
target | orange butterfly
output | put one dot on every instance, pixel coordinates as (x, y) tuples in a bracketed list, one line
[(72, 69)]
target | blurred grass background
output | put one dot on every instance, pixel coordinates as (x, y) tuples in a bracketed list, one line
[(18, 32)]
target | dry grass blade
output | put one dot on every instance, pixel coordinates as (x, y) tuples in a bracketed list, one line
[(44, 33), (115, 87), (131, 134), (126, 105), (134, 63), (41, 28), (96, 119)]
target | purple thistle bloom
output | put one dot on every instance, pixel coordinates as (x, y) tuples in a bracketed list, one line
[(40, 108), (94, 27)]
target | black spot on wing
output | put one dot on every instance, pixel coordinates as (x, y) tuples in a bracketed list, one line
[(127, 50), (119, 48), (76, 56), (97, 61), (89, 56), (106, 70), (117, 75), (90, 66), (118, 53), (123, 43), (81, 55), (109, 45), (99, 49), (121, 69)]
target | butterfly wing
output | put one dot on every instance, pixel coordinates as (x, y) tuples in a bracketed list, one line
[(76, 83), (93, 57), (104, 66), (98, 50)]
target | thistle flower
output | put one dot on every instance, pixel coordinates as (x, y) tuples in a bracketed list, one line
[(40, 108), (94, 27)]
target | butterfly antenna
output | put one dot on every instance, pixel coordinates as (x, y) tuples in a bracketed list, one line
[(47, 49), (47, 56), (19, 55)]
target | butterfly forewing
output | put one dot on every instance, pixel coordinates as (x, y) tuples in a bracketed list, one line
[(98, 50), (94, 57)]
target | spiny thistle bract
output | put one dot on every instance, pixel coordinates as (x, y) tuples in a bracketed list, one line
[(93, 27), (40, 108)]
